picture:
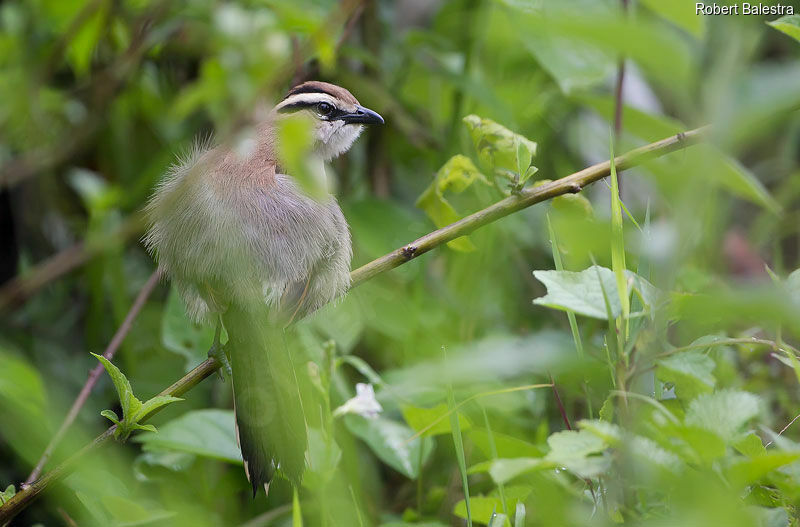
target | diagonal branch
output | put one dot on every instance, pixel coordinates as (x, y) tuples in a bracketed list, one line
[(567, 185)]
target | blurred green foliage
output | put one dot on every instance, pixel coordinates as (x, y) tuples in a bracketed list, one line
[(675, 405)]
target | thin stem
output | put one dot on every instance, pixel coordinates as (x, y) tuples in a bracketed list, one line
[(571, 184), (94, 375), (567, 185)]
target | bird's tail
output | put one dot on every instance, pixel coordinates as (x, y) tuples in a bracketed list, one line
[(270, 424)]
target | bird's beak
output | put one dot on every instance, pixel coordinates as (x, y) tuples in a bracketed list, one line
[(362, 115)]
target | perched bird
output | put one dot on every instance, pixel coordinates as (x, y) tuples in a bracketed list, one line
[(244, 245)]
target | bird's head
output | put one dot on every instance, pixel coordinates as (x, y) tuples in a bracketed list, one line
[(337, 118)]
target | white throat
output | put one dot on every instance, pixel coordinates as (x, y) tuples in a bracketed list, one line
[(334, 138)]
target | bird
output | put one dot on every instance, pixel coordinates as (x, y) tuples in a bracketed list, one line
[(249, 250)]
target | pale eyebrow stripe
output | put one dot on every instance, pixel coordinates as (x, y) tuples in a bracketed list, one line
[(308, 99)]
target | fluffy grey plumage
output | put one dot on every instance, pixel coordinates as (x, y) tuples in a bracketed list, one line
[(241, 241), (221, 223)]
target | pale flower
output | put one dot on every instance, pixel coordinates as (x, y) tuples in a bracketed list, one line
[(363, 404)]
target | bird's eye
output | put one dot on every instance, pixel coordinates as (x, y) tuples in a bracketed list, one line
[(325, 108)]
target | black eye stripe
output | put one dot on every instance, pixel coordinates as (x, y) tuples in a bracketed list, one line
[(334, 114)]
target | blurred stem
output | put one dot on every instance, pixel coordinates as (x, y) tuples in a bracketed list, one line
[(94, 375), (471, 23), (567, 185), (618, 105)]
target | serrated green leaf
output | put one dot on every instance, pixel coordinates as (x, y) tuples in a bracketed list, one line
[(123, 386), (789, 24), (723, 413)]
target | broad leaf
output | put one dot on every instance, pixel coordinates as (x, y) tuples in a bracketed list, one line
[(582, 292), (456, 175), (723, 413), (579, 452), (690, 372), (789, 24), (500, 149), (424, 418), (391, 442), (209, 433)]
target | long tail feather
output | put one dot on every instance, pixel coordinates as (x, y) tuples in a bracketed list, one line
[(271, 428)]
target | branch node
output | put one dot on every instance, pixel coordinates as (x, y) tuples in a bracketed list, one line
[(574, 188), (409, 251)]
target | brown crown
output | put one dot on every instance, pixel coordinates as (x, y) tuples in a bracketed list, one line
[(323, 87)]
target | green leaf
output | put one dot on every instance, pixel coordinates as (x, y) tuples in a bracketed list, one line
[(582, 292), (391, 442), (146, 428), (7, 494), (456, 175), (421, 418), (294, 145), (705, 445), (130, 404), (580, 452), (111, 416), (208, 433), (681, 13), (504, 470), (483, 507), (126, 511), (499, 148), (324, 456), (789, 24), (690, 372), (750, 470), (749, 445), (507, 446), (724, 412), (153, 404)]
